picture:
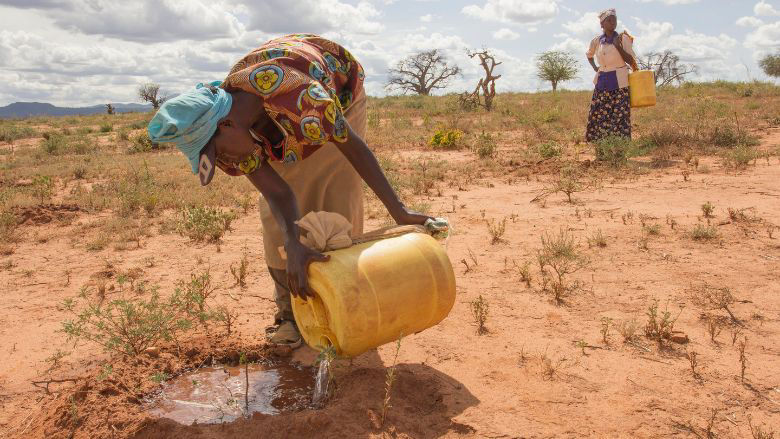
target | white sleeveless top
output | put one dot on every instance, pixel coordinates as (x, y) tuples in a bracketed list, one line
[(609, 60)]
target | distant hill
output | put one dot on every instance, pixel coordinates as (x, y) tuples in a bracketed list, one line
[(28, 109)]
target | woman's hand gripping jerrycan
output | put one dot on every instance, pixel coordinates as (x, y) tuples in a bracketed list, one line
[(374, 292), (641, 88)]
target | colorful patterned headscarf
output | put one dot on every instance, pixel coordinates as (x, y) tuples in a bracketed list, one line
[(603, 15), (190, 119)]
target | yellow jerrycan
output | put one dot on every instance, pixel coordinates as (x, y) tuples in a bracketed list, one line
[(641, 87), (376, 291)]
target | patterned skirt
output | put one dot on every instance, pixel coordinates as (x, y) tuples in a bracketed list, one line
[(610, 115)]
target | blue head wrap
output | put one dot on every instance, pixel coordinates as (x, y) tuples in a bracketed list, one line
[(190, 119)]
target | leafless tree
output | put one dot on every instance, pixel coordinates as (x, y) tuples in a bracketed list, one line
[(556, 66), (422, 73), (666, 66), (770, 64), (150, 92), (486, 84), (110, 109)]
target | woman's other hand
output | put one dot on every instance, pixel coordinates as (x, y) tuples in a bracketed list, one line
[(408, 216), (299, 257)]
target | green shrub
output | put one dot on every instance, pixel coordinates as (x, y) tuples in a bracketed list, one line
[(372, 120), (613, 150), (81, 145), (11, 133), (204, 223), (130, 326), (550, 115), (138, 125), (446, 139), (53, 144), (727, 137), (42, 188), (740, 156), (548, 150), (8, 224), (57, 144), (485, 146), (141, 143), (106, 127)]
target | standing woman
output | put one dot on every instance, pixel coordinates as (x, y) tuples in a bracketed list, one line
[(610, 109), (291, 117)]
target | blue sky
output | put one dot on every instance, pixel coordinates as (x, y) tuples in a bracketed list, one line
[(84, 52)]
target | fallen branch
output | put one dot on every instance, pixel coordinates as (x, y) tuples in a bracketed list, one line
[(45, 383)]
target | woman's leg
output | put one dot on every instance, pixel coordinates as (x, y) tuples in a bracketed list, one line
[(325, 181), (596, 117)]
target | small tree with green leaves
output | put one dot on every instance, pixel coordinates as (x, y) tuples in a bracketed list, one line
[(556, 66), (770, 64)]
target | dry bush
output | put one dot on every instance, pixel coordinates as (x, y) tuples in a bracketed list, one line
[(389, 380), (708, 209), (525, 272), (569, 181), (704, 233), (606, 324), (660, 325), (496, 229), (742, 358), (479, 310), (694, 363), (759, 432), (597, 239), (708, 297), (204, 223), (239, 273), (559, 258)]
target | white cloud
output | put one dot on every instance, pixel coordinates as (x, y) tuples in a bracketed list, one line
[(672, 2), (316, 16), (514, 11), (586, 25), (749, 22), (571, 45), (765, 39), (148, 20), (505, 34), (765, 9), (83, 52)]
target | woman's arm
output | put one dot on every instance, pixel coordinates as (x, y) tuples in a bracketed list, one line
[(625, 55), (366, 165), (284, 208), (593, 64)]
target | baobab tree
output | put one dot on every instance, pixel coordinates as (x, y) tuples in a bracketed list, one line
[(486, 84), (150, 92), (556, 66), (422, 73), (666, 66)]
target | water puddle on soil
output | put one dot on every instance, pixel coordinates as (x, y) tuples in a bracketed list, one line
[(222, 394)]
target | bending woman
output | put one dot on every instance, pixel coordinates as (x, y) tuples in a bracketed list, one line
[(610, 109), (291, 117)]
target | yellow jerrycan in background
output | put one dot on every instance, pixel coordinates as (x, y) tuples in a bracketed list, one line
[(641, 87), (376, 291)]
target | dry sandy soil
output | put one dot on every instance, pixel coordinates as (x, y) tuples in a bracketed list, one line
[(541, 370)]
